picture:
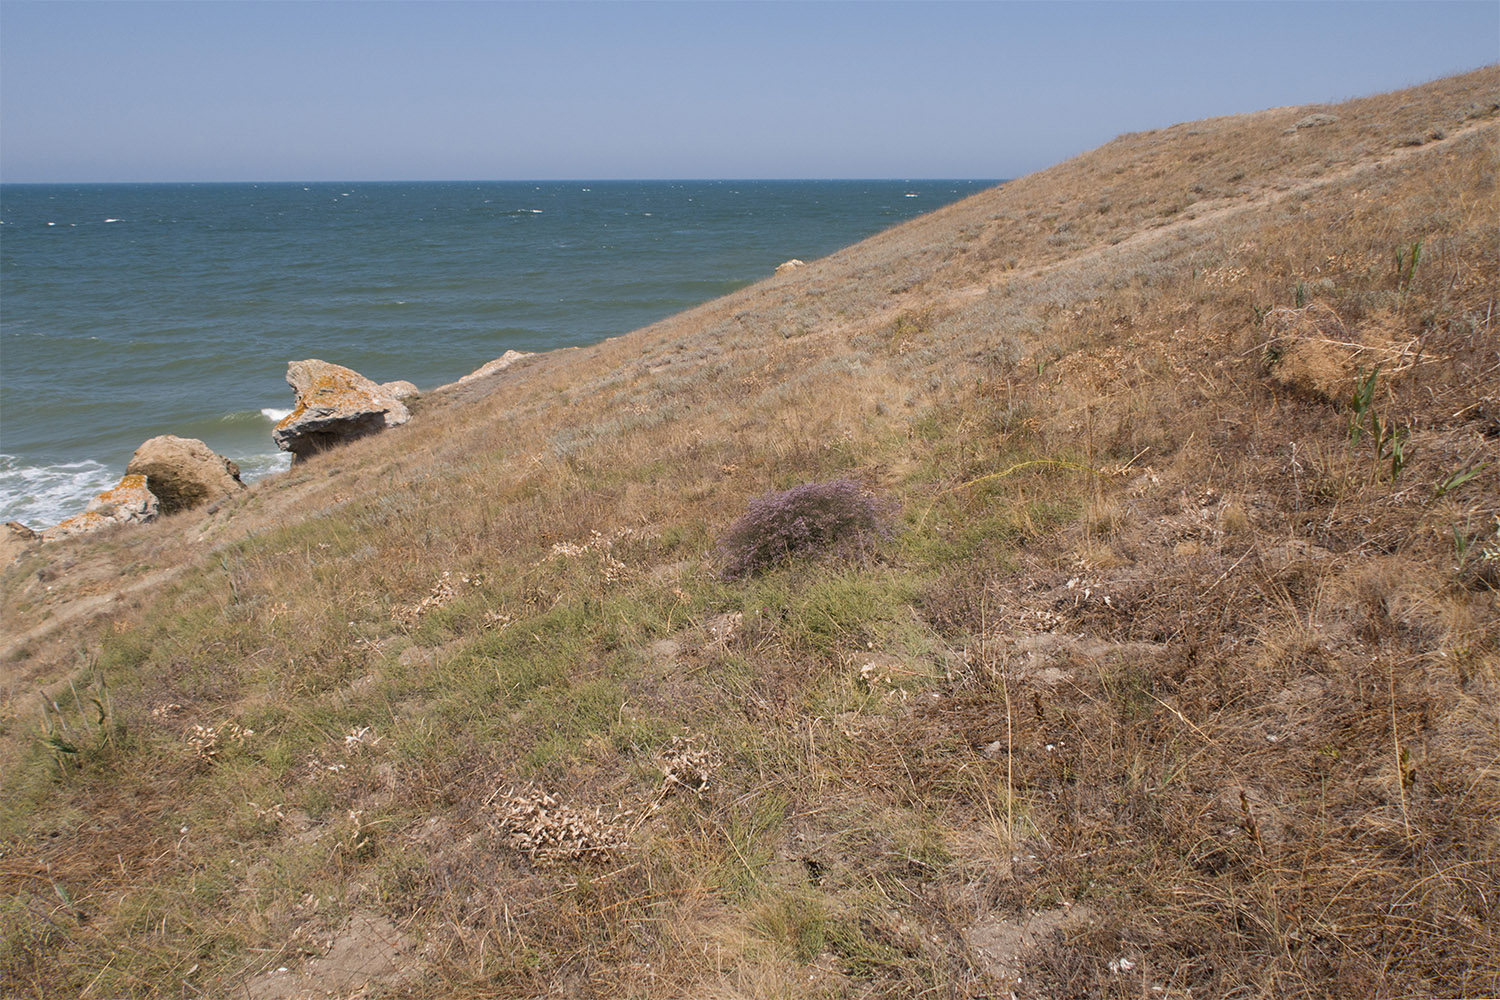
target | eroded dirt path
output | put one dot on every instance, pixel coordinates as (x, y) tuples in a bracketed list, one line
[(1203, 216)]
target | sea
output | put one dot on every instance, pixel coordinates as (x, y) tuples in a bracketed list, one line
[(132, 310)]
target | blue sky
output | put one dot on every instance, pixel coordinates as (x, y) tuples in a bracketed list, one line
[(213, 91)]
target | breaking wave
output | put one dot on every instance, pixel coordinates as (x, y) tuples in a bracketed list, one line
[(41, 495)]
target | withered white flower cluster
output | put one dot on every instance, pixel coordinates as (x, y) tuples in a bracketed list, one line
[(551, 833), (409, 615), (207, 741), (688, 764), (611, 570)]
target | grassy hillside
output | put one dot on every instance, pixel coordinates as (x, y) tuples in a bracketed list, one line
[(1178, 675)]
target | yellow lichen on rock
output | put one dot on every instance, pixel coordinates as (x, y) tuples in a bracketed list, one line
[(334, 405), (127, 502)]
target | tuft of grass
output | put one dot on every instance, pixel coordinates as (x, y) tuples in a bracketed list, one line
[(834, 516)]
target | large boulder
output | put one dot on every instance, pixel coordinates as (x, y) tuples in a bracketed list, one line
[(334, 405), (183, 473), (127, 502)]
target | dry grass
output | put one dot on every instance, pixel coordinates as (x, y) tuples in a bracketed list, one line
[(1158, 644)]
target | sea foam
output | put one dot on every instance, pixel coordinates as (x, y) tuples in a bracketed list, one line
[(265, 464), (41, 495)]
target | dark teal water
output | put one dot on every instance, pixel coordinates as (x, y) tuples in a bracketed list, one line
[(128, 311)]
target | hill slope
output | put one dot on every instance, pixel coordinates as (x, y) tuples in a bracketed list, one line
[(1178, 676)]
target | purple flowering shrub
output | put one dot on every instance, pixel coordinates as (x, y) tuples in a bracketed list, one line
[(838, 515)]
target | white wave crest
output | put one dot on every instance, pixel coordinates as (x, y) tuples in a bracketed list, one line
[(41, 495), (274, 415), (265, 464)]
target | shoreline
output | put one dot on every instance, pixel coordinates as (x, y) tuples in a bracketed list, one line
[(194, 288), (83, 480)]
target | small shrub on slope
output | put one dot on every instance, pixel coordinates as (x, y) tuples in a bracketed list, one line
[(838, 515)]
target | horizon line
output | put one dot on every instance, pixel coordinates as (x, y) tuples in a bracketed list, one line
[(526, 180)]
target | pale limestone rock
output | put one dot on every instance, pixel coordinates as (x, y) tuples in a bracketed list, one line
[(789, 266), (183, 473), (334, 405), (1315, 120), (501, 363), (127, 502), (400, 389)]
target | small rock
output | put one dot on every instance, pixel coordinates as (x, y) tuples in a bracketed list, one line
[(790, 265), (127, 502), (400, 389), (15, 539), (183, 473), (1315, 120)]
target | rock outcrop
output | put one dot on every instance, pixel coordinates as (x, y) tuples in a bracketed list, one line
[(1315, 120), (790, 265), (183, 473), (15, 539), (127, 502), (501, 363), (334, 405)]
